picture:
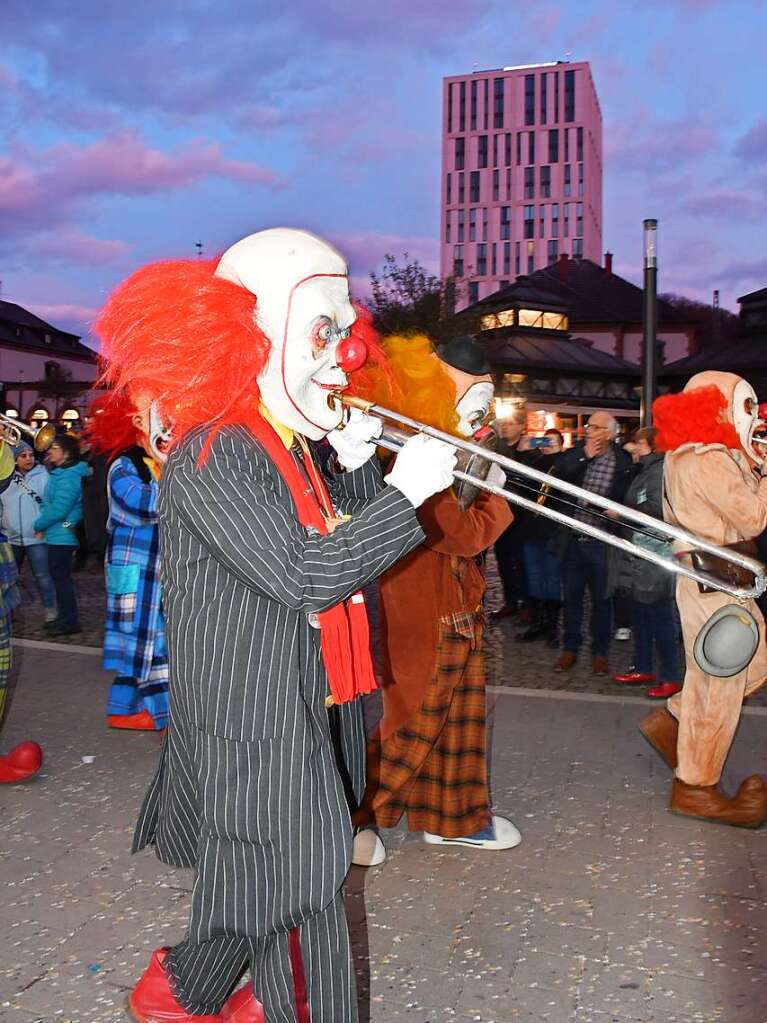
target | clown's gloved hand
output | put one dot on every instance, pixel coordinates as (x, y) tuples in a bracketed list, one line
[(354, 444), (496, 476), (423, 467)]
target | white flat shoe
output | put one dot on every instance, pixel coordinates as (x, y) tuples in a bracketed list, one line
[(499, 834), (367, 849)]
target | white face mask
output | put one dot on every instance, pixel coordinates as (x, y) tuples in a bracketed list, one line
[(303, 306), (473, 407), (156, 436), (745, 418)]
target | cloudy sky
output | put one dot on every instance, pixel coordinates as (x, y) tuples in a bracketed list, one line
[(130, 131)]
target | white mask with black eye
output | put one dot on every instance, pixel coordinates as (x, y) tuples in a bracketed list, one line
[(473, 407), (745, 418)]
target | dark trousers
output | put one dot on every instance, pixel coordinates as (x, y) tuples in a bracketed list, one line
[(585, 567), (511, 566), (60, 557), (203, 973), (657, 625)]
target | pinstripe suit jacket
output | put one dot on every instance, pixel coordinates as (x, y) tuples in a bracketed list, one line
[(247, 789)]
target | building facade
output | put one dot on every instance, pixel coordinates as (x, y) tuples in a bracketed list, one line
[(45, 373), (521, 174)]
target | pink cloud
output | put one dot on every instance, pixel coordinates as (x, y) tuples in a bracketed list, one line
[(365, 251), (754, 142), (726, 204), (646, 144), (66, 316), (70, 244)]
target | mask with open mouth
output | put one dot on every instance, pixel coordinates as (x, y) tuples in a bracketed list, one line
[(303, 306), (745, 418)]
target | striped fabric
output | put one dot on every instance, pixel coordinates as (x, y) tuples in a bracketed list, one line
[(434, 767), (247, 790)]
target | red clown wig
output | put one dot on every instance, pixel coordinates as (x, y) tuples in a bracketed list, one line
[(110, 428), (698, 416)]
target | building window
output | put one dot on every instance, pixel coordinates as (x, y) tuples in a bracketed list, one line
[(507, 257), (460, 153), (579, 219), (568, 185), (577, 248), (473, 292), (449, 189), (517, 258), (580, 179), (462, 107), (541, 221), (529, 192), (508, 182), (486, 104), (519, 149), (529, 99), (496, 185), (474, 186), (531, 257), (493, 260), (458, 261), (505, 222), (566, 133), (554, 146), (552, 251), (531, 147), (556, 97), (461, 224), (461, 190), (529, 230), (579, 145), (450, 107), (472, 225), (473, 116), (555, 220), (482, 259), (495, 150), (484, 224), (448, 220), (482, 151), (545, 182), (566, 219), (569, 96), (498, 103), (544, 97)]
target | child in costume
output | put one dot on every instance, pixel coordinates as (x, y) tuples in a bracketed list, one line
[(134, 633), (262, 570), (715, 486), (427, 757)]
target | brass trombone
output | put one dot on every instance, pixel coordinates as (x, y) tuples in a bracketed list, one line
[(12, 431), (393, 439)]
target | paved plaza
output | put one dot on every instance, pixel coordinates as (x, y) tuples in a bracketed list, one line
[(611, 909)]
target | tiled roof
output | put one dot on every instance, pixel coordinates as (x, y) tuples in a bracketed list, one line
[(588, 293), (537, 351), (18, 326), (754, 296), (742, 358)]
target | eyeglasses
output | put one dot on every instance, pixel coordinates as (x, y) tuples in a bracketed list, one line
[(590, 427)]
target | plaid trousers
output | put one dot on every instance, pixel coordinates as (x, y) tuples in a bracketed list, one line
[(434, 767)]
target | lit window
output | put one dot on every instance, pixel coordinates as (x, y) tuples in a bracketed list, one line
[(504, 318), (69, 416), (12, 413)]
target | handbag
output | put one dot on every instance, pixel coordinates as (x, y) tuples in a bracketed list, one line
[(733, 575)]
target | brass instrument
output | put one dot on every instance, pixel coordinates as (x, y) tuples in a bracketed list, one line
[(393, 439), (12, 432)]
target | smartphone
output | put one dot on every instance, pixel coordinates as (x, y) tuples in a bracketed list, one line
[(540, 442)]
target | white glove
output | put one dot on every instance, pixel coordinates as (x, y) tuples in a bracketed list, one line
[(423, 467), (353, 443), (496, 476)]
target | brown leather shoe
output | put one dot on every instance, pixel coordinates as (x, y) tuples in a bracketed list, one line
[(661, 730), (600, 666), (747, 809), (565, 662)]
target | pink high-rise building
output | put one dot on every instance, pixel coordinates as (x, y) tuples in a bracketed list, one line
[(521, 173)]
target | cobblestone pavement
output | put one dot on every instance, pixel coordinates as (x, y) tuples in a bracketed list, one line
[(611, 909)]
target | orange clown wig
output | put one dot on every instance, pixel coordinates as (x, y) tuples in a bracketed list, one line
[(698, 416)]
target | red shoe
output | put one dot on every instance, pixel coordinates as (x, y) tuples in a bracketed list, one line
[(142, 721), (22, 762), (152, 1001), (665, 689), (634, 678), (243, 1007)]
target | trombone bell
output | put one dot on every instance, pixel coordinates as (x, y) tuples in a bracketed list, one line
[(12, 432)]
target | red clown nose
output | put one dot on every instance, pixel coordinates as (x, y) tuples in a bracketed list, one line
[(351, 354)]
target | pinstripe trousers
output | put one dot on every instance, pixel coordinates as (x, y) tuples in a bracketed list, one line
[(203, 973)]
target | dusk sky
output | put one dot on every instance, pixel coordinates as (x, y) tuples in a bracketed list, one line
[(129, 131)]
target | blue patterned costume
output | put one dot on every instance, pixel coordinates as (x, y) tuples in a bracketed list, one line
[(134, 636)]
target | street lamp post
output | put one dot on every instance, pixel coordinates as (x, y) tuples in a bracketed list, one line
[(649, 319)]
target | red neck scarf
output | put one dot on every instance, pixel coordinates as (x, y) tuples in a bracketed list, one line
[(344, 631)]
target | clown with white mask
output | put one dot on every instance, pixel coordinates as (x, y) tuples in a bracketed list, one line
[(264, 555), (715, 487)]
